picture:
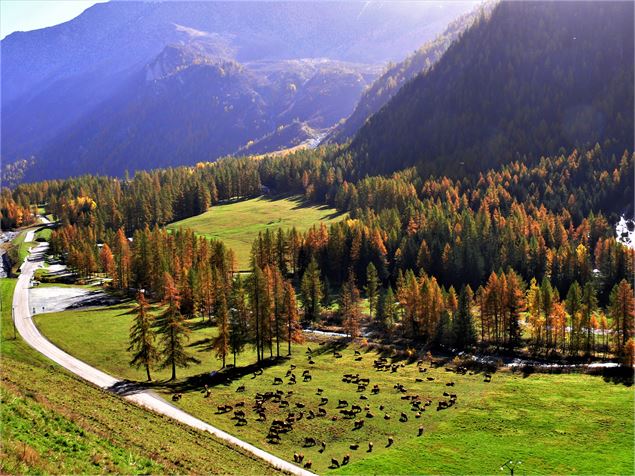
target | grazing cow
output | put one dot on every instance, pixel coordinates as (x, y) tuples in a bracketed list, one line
[(359, 424), (361, 388), (450, 384), (334, 418), (289, 372), (418, 380), (324, 401), (295, 457), (240, 404), (347, 413), (381, 408), (239, 414), (429, 379), (208, 392), (176, 397), (334, 463), (308, 464), (386, 416), (284, 403), (300, 405), (422, 370), (319, 391), (274, 438), (420, 430), (311, 362), (446, 394), (370, 415), (418, 415), (305, 372), (391, 440), (307, 378), (322, 447), (342, 403), (354, 446), (370, 447), (308, 350), (375, 390), (240, 389), (241, 422), (488, 378), (321, 412), (358, 359), (357, 352), (346, 459), (363, 397), (403, 418), (311, 415), (277, 381), (356, 408), (309, 441)]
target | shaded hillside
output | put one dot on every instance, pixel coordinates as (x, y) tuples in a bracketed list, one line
[(533, 78), (186, 107), (389, 83), (56, 80)]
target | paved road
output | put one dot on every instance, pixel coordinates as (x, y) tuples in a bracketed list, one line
[(30, 333), (30, 235)]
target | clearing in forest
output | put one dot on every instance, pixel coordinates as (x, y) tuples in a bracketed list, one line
[(237, 224)]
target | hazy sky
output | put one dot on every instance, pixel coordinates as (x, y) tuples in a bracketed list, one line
[(24, 15)]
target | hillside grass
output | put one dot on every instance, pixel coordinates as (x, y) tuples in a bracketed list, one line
[(237, 224), (54, 423), (555, 424)]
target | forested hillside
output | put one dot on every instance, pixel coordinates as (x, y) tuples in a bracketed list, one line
[(89, 94), (545, 230), (534, 77), (389, 83)]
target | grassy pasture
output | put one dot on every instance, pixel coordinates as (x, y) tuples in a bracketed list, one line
[(237, 224), (555, 424), (53, 423)]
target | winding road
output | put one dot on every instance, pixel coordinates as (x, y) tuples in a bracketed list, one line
[(29, 332)]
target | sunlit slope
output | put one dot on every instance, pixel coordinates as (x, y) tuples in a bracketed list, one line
[(237, 224)]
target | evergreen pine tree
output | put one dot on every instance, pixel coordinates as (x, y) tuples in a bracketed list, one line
[(142, 345)]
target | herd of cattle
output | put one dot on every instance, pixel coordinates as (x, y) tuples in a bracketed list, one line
[(358, 412)]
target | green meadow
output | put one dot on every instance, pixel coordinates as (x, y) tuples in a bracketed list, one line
[(54, 423), (237, 224), (553, 423)]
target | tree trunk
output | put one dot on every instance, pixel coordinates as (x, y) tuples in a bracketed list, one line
[(148, 372), (289, 327)]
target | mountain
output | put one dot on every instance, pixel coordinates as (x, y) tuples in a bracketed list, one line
[(529, 80), (185, 107), (60, 84), (387, 85)]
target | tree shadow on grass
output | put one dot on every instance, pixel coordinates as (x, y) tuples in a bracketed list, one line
[(224, 377)]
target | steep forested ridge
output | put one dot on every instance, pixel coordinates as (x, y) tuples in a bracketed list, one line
[(531, 79), (389, 83)]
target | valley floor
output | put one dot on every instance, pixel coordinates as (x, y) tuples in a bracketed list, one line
[(553, 423), (53, 422)]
